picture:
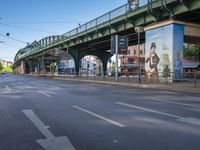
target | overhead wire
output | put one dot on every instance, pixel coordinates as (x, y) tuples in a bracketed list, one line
[(27, 28), (12, 45), (43, 22), (15, 39)]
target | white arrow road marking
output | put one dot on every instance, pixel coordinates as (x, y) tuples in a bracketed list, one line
[(193, 121), (99, 116), (51, 142), (8, 88), (43, 93), (29, 87), (178, 103)]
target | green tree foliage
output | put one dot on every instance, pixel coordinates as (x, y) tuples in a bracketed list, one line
[(1, 66), (8, 69), (192, 52)]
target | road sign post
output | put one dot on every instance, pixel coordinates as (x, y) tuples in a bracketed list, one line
[(116, 50), (119, 45)]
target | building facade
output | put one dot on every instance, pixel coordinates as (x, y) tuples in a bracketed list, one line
[(130, 62), (6, 63), (91, 66)]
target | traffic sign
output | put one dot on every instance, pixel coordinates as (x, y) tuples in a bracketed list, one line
[(122, 44)]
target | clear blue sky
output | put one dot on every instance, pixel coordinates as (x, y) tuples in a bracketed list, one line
[(25, 19)]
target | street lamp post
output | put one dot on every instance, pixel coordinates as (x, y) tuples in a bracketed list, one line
[(139, 30), (117, 63)]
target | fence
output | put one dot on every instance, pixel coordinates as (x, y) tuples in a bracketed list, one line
[(172, 79)]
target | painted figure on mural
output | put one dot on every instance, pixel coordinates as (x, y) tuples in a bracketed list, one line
[(153, 61), (166, 71), (178, 65)]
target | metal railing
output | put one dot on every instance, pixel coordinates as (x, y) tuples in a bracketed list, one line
[(172, 79), (122, 10), (89, 25)]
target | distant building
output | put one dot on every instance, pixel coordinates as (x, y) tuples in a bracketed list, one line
[(6, 63), (66, 65), (91, 66), (130, 62)]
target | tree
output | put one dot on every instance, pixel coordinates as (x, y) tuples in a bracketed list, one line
[(192, 53), (8, 69), (1, 66)]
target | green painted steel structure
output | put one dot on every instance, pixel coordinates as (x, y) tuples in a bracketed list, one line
[(93, 38)]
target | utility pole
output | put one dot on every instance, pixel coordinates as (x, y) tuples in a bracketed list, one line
[(139, 30), (116, 50)]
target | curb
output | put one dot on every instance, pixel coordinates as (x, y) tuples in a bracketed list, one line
[(147, 86)]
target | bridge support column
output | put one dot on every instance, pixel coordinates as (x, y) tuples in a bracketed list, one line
[(43, 65), (104, 56), (164, 51), (31, 64), (19, 69), (77, 59)]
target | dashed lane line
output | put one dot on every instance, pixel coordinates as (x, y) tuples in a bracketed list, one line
[(172, 102), (43, 93), (99, 116), (190, 120)]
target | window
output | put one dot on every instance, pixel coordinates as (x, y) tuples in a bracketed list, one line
[(130, 60), (141, 52), (135, 52)]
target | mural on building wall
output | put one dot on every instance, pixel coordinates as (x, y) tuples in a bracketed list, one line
[(178, 50), (164, 49), (153, 60), (66, 65)]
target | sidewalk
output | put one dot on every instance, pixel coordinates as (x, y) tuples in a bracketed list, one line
[(177, 86)]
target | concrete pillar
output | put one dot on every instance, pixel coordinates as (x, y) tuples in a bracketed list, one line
[(22, 68), (164, 51), (43, 65), (76, 55), (104, 56)]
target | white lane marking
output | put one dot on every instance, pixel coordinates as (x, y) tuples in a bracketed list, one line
[(100, 117), (29, 87), (149, 110), (190, 120), (51, 142), (8, 88), (172, 102), (193, 98), (43, 93), (38, 123), (115, 141)]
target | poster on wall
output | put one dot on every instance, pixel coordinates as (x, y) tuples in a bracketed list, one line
[(164, 52)]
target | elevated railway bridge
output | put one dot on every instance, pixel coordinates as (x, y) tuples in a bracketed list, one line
[(168, 25)]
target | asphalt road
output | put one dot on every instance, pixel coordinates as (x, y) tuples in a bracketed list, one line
[(41, 113)]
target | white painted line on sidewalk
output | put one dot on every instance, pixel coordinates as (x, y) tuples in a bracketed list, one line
[(43, 93), (51, 142), (172, 102), (100, 117), (189, 120)]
